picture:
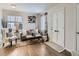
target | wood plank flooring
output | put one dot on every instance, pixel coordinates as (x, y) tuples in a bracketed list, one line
[(38, 49)]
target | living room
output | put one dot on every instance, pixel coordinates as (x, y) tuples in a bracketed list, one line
[(50, 28), (24, 23), (20, 25)]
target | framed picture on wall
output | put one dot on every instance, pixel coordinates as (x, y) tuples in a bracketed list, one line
[(31, 19)]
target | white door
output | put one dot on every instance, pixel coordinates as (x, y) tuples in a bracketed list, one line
[(61, 27), (77, 28), (54, 28), (58, 27)]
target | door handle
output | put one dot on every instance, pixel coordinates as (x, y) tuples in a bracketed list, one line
[(77, 32), (56, 31)]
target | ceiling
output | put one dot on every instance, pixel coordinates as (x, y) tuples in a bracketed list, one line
[(28, 7)]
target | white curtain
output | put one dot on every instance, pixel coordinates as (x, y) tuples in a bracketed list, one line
[(43, 23)]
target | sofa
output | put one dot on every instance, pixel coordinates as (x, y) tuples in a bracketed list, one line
[(30, 35)]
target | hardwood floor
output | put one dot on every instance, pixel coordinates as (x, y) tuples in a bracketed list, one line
[(37, 49)]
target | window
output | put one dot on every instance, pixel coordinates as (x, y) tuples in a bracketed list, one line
[(11, 18), (11, 25), (12, 21), (19, 19)]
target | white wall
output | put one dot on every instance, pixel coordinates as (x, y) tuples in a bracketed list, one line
[(0, 27), (26, 25), (70, 24), (70, 27)]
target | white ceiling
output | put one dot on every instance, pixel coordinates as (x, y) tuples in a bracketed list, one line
[(28, 7)]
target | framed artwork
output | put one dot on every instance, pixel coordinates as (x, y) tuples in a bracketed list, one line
[(31, 19)]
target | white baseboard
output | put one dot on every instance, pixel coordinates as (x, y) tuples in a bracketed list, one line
[(54, 46), (75, 53), (60, 49)]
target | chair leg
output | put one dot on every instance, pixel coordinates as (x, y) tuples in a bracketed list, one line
[(42, 39), (16, 41), (3, 44), (10, 42)]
